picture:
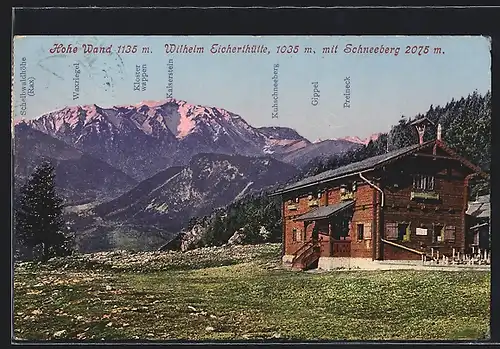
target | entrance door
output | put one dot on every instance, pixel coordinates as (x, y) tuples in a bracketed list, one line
[(315, 232)]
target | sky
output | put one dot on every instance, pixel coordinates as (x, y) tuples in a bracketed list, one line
[(382, 86)]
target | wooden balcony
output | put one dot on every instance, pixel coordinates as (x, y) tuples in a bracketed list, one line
[(424, 195)]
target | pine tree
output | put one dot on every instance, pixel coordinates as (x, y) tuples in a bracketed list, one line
[(39, 222)]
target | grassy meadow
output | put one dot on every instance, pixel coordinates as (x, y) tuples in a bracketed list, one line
[(241, 293)]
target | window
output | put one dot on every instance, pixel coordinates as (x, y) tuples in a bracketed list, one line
[(391, 231), (422, 182), (360, 230), (449, 233), (296, 200), (296, 235), (438, 233)]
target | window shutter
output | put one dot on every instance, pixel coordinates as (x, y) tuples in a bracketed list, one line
[(407, 235), (368, 231), (449, 233), (391, 231)]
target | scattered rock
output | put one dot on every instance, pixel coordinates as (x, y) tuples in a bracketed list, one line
[(192, 237), (155, 261), (108, 288), (59, 333), (209, 329)]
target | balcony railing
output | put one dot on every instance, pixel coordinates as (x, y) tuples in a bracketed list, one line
[(313, 203), (341, 248), (346, 196), (424, 195)]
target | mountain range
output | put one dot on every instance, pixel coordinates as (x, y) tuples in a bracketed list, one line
[(143, 139)]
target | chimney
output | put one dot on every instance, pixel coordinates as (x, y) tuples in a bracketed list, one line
[(439, 130)]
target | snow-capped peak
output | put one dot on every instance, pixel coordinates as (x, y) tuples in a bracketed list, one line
[(358, 140)]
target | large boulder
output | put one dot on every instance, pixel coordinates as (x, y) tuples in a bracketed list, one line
[(237, 238)]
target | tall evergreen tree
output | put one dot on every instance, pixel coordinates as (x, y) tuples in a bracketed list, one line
[(38, 216)]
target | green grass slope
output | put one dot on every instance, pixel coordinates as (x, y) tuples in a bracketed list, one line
[(241, 293)]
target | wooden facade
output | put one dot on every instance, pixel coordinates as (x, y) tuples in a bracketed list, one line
[(399, 208)]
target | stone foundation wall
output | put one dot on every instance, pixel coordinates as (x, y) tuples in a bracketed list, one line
[(287, 259), (329, 263)]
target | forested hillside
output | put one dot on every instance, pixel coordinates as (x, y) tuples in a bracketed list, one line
[(466, 128)]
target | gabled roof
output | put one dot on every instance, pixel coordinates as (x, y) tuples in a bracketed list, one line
[(424, 120), (372, 163), (325, 211)]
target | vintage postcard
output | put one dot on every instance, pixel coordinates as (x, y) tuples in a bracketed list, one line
[(279, 188)]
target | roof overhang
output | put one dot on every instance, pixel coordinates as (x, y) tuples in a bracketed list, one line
[(326, 180), (475, 169), (479, 226), (325, 212)]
